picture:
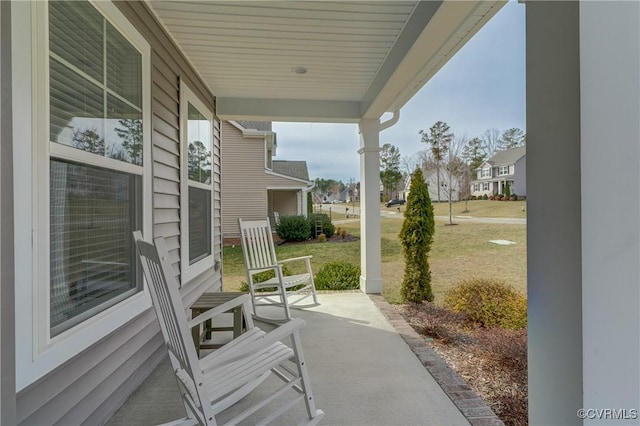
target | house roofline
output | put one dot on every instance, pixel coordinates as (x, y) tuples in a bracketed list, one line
[(271, 172)]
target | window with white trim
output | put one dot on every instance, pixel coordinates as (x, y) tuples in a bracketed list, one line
[(96, 157), (197, 185), (485, 186), (486, 172), (503, 170)]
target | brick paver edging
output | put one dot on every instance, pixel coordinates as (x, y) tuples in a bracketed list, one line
[(468, 402)]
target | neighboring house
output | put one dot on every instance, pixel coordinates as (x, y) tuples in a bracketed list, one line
[(254, 185), (431, 179), (506, 166)]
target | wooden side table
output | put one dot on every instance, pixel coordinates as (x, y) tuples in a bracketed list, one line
[(208, 301)]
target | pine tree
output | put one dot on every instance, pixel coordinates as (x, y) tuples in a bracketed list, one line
[(416, 237), (439, 137), (474, 153)]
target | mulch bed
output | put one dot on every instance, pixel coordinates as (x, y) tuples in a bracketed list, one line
[(493, 361)]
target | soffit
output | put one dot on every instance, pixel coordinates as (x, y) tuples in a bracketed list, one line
[(362, 58)]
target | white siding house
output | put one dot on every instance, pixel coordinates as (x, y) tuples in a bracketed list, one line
[(450, 186), (508, 166)]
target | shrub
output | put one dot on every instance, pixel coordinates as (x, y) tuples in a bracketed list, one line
[(309, 204), (507, 190), (343, 233), (492, 197), (263, 276), (294, 228), (338, 275), (485, 197), (327, 227), (322, 238), (489, 303), (416, 237)]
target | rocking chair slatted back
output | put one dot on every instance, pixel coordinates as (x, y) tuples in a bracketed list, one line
[(257, 245), (173, 322)]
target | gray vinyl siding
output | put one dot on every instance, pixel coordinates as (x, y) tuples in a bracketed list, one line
[(90, 387), (244, 181)]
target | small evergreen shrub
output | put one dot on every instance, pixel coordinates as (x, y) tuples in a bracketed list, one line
[(327, 227), (338, 275), (416, 236), (507, 190), (294, 228), (309, 204), (485, 197), (261, 277), (322, 238), (488, 302)]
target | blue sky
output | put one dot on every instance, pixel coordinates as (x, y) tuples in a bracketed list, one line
[(481, 87)]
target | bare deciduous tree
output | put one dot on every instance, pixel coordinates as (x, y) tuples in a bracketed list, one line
[(491, 139)]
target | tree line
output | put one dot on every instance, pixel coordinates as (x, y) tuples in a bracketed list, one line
[(449, 155)]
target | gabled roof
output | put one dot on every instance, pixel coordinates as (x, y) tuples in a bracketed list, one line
[(508, 156), (295, 169), (256, 125)]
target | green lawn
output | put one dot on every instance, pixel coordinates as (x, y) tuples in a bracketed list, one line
[(458, 252), (477, 208)]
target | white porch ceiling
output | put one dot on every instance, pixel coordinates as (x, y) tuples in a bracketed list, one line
[(361, 58)]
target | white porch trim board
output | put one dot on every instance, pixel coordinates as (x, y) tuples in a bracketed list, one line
[(7, 278)]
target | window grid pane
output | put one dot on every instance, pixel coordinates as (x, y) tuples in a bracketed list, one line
[(199, 138), (82, 72), (92, 215), (199, 224)]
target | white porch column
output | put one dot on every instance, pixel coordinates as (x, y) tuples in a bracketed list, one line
[(370, 257), (583, 62), (303, 194), (7, 277)]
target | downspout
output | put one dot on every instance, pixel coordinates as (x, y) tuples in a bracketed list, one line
[(390, 122)]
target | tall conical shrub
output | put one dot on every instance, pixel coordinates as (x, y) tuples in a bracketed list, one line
[(416, 237)]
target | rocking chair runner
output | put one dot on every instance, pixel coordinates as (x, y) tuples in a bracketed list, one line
[(212, 384), (259, 256)]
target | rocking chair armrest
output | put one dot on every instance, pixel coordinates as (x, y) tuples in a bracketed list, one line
[(293, 259), (220, 309), (276, 335)]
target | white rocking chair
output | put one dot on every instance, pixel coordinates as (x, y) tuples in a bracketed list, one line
[(210, 385), (259, 256)]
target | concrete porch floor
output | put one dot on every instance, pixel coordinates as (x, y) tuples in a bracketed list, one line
[(362, 373)]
